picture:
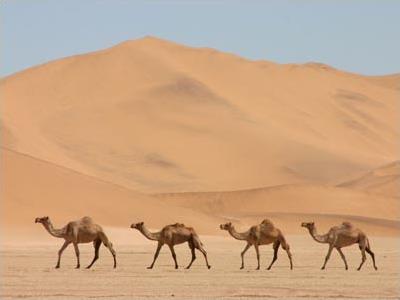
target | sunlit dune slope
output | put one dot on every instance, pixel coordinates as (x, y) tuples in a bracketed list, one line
[(156, 116)]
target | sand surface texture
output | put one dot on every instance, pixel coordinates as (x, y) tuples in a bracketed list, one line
[(153, 131), (29, 272)]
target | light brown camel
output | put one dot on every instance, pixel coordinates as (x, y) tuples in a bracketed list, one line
[(172, 235), (342, 236), (262, 234), (79, 232)]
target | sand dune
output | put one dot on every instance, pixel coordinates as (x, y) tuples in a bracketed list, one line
[(384, 180), (140, 132), (88, 134), (156, 116), (288, 205), (31, 188)]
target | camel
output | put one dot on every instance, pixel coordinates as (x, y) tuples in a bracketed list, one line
[(262, 234), (172, 235), (342, 236), (77, 232)]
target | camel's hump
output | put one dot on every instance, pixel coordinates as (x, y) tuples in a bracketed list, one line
[(86, 219), (267, 222), (178, 225), (347, 224)]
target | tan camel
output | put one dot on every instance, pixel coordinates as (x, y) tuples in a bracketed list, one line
[(262, 234), (342, 236), (172, 235), (79, 232)]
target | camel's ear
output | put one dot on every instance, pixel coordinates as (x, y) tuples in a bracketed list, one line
[(312, 223), (141, 223), (46, 218)]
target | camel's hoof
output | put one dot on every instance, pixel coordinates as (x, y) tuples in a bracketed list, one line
[(241, 268), (77, 267), (88, 267), (57, 267), (176, 267), (376, 269), (209, 267), (258, 268), (150, 267)]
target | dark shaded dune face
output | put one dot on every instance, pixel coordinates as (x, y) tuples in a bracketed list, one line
[(355, 96), (159, 161)]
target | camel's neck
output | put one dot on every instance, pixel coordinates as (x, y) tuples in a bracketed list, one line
[(318, 238), (150, 235), (58, 233), (237, 235)]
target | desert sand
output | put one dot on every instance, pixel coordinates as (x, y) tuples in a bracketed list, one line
[(153, 131), (155, 116), (29, 273)]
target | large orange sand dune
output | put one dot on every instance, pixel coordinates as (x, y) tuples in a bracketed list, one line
[(156, 116)]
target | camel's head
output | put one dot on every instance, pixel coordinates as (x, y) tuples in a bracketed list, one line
[(308, 225), (42, 220), (137, 226), (225, 226)]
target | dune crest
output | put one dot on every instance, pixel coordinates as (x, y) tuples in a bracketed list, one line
[(156, 116)]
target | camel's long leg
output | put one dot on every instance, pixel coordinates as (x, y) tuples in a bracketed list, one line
[(171, 247), (96, 244), (327, 256), (276, 248), (368, 249), (201, 249), (286, 247), (363, 256), (112, 251), (78, 264), (155, 255), (343, 257), (243, 252), (109, 246), (258, 256), (191, 246), (65, 245), (198, 245)]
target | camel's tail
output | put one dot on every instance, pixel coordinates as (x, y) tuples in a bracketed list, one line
[(368, 244), (284, 243), (104, 239), (196, 240)]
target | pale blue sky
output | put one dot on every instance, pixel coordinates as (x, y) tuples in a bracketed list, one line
[(361, 36)]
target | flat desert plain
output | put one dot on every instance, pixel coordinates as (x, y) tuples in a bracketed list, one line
[(153, 131), (28, 272)]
